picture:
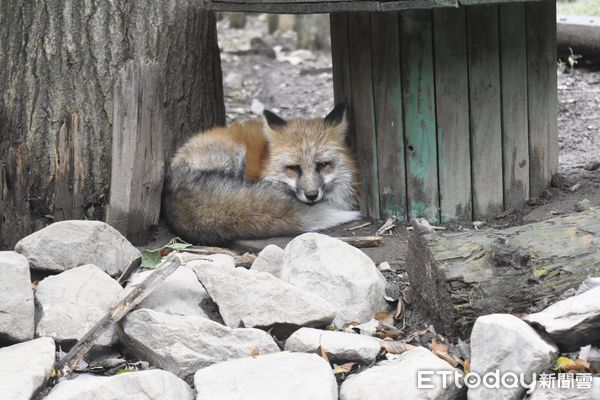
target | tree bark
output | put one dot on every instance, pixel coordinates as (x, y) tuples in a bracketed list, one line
[(459, 276), (59, 61)]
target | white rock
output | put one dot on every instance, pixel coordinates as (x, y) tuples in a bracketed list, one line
[(398, 379), (556, 393), (257, 107), (69, 244), (152, 384), (25, 367), (16, 297), (258, 299), (506, 344), (587, 284), (270, 260), (289, 376), (72, 302), (340, 346), (573, 322), (341, 274), (180, 294), (183, 344)]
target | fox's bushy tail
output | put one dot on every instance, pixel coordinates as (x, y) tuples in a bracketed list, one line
[(206, 207)]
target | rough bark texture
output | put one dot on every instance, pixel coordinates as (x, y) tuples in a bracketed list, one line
[(456, 277), (59, 60)]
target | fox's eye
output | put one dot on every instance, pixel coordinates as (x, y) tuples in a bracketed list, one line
[(293, 168), (322, 165)]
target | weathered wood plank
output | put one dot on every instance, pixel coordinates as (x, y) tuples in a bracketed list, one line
[(70, 361), (452, 113), (363, 110), (138, 158), (457, 276), (325, 6), (69, 170), (419, 114), (387, 86), (340, 59), (515, 129), (543, 102), (485, 106)]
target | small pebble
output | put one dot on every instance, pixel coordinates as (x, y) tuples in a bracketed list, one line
[(582, 205), (592, 165)]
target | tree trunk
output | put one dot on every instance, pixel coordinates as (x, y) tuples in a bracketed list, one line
[(59, 61), (456, 277)]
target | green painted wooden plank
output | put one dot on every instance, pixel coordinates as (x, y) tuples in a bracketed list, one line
[(340, 58), (452, 111), (485, 106), (419, 114), (541, 78), (387, 88), (515, 130), (363, 112)]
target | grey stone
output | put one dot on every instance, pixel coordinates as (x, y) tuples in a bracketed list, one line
[(556, 393), (69, 244), (152, 384), (17, 308), (340, 346), (25, 367), (592, 165), (258, 299), (573, 322), (398, 379), (506, 344), (289, 376), (72, 302), (270, 260), (183, 344), (180, 294), (582, 205), (341, 274)]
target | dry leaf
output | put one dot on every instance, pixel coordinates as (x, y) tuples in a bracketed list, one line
[(254, 352), (467, 366), (385, 317), (441, 350), (566, 364), (321, 351), (343, 369), (396, 347), (399, 308)]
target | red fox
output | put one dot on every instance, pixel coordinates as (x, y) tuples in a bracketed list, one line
[(262, 178)]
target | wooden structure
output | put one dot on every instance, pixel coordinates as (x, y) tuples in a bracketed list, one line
[(453, 102)]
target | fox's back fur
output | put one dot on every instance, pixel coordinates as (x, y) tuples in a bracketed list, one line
[(261, 178)]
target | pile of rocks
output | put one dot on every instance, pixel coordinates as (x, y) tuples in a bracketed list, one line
[(212, 330)]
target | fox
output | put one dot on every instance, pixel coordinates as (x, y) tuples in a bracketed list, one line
[(261, 178)]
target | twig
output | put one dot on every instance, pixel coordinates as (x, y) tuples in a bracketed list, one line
[(117, 312), (363, 241), (359, 226), (389, 225)]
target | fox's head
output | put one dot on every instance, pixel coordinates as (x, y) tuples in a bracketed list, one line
[(311, 156)]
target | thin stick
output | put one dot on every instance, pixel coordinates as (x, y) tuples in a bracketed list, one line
[(117, 312), (360, 226), (363, 241)]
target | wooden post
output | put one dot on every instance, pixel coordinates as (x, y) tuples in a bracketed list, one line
[(69, 170), (138, 156)]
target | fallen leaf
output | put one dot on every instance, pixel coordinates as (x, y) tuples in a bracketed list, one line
[(467, 366), (321, 352), (343, 369), (567, 364), (395, 347), (385, 317), (399, 308), (441, 350), (151, 259), (254, 352)]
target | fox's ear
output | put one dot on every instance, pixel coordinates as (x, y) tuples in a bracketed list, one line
[(274, 121), (337, 124), (336, 116)]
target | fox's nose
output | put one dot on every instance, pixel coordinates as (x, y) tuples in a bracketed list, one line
[(312, 195)]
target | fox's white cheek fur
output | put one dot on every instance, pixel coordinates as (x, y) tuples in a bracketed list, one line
[(328, 178)]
